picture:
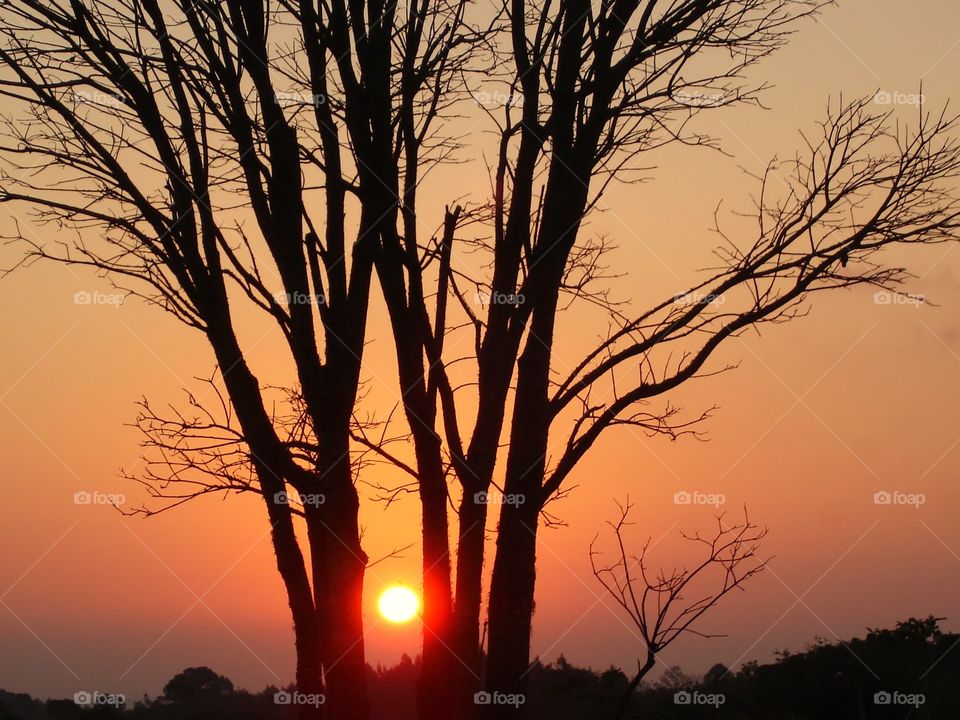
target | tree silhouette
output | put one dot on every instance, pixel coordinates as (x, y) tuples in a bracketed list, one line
[(210, 156), (664, 605), (829, 680), (162, 126), (196, 683), (590, 90)]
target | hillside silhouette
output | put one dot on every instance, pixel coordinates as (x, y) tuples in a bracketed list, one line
[(908, 671)]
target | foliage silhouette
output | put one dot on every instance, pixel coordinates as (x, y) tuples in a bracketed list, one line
[(826, 681)]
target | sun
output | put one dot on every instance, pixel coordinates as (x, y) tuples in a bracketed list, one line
[(398, 604)]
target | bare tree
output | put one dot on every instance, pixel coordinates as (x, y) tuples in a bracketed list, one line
[(663, 605), (860, 187), (591, 91), (597, 87), (208, 156), (203, 113)]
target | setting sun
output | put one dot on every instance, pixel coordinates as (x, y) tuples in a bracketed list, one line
[(438, 342), (398, 604)]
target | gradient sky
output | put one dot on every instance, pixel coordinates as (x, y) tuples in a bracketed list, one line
[(821, 414)]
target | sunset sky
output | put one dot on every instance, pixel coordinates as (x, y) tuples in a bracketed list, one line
[(859, 397)]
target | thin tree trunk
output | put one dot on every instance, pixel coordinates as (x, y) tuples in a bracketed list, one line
[(309, 672), (333, 527), (309, 678), (466, 633), (511, 612), (514, 569), (434, 691), (268, 463), (340, 610), (642, 670)]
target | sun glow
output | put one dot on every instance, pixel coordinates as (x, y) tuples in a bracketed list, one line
[(398, 604)]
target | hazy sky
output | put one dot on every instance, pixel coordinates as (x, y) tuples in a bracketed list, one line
[(822, 413)]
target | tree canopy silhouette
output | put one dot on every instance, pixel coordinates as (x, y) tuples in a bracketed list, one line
[(195, 683)]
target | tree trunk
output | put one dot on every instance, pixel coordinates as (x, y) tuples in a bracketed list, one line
[(333, 527), (309, 675), (514, 568), (434, 689), (269, 464), (466, 631), (511, 613), (339, 592), (632, 687)]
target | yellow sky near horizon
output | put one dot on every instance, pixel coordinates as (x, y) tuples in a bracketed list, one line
[(822, 413)]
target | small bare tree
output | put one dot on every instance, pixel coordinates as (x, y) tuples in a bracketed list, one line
[(664, 604)]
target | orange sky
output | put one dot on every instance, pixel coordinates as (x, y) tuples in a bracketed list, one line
[(822, 413)]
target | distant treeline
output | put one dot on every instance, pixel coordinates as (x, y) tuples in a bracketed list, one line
[(910, 671)]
